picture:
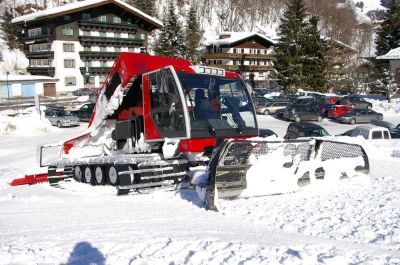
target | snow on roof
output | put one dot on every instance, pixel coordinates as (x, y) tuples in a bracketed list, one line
[(391, 55), (85, 4), (237, 36), (16, 78), (339, 43)]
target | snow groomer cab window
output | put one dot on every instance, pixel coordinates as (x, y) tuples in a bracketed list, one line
[(166, 106)]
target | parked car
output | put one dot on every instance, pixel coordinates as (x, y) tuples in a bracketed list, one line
[(337, 110), (394, 131), (267, 133), (61, 117), (356, 102), (300, 129), (271, 108), (84, 113), (359, 116), (84, 92), (369, 132), (303, 113)]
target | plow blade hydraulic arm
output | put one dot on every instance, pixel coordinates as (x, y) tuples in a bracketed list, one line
[(246, 168)]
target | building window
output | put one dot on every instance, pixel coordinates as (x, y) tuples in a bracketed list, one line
[(117, 49), (86, 48), (265, 51), (116, 19), (40, 47), (131, 36), (117, 35), (103, 63), (103, 49), (68, 47), (86, 33), (35, 32), (128, 21), (40, 62), (69, 63), (67, 18), (70, 80), (242, 50), (103, 18), (234, 50), (89, 79), (258, 51), (142, 36), (103, 34), (86, 17), (68, 31)]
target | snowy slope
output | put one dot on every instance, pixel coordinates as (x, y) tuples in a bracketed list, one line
[(351, 223)]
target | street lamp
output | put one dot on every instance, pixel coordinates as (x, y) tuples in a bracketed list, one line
[(8, 89)]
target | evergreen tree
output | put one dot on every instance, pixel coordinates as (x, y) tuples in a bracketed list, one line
[(289, 50), (314, 60), (171, 41), (12, 33), (193, 36), (388, 36)]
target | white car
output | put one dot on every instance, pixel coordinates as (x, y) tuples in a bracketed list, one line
[(369, 132)]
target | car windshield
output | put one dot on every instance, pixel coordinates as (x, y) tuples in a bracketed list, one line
[(316, 132), (217, 103), (61, 113)]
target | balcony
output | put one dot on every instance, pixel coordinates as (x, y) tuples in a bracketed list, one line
[(111, 40), (91, 70), (41, 70), (40, 55), (245, 68), (107, 25), (237, 56), (99, 54)]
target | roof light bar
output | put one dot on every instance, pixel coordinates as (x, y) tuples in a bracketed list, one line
[(208, 70)]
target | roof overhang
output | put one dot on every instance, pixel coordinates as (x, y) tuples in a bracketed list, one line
[(82, 6)]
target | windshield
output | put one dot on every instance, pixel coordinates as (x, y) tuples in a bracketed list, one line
[(217, 103), (316, 132)]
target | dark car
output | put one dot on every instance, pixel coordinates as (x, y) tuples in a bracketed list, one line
[(360, 116), (300, 129), (393, 130), (84, 113), (356, 102), (303, 113), (267, 133), (84, 92)]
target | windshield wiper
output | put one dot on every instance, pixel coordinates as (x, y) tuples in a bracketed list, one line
[(210, 128), (238, 127)]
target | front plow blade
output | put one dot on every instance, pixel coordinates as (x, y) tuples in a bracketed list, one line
[(247, 168)]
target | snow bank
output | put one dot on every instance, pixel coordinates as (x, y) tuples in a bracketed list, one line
[(383, 106), (26, 122)]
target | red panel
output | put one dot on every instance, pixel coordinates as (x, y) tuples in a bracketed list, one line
[(69, 144), (150, 129)]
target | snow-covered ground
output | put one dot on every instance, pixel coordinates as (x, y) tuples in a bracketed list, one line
[(350, 223)]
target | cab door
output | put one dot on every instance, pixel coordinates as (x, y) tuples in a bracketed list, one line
[(164, 112)]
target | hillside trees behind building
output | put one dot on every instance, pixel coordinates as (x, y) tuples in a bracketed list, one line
[(300, 51), (12, 34), (174, 41)]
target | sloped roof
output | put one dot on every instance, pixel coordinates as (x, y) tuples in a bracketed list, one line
[(84, 5), (237, 37), (391, 55)]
